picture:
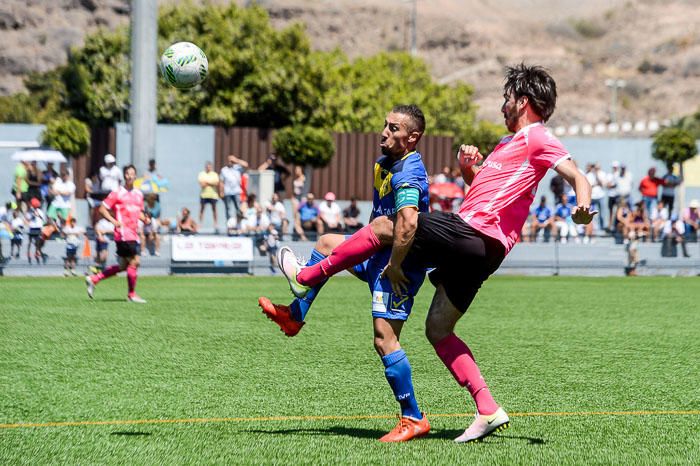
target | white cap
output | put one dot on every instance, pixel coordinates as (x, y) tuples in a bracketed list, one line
[(615, 163), (694, 204), (109, 158)]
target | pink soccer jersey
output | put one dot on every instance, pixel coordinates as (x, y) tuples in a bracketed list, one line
[(499, 199), (127, 206)]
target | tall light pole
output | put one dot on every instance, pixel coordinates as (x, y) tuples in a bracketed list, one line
[(414, 20), (614, 84)]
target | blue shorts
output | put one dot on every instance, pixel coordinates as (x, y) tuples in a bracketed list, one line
[(385, 303)]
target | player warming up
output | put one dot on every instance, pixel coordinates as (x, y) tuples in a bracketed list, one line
[(467, 247), (400, 191), (123, 208)]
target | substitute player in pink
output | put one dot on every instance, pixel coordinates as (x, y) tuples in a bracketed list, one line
[(466, 248), (123, 208)]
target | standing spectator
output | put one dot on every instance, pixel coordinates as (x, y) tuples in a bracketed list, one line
[(307, 218), (35, 222), (691, 218), (298, 184), (278, 215), (624, 184), (111, 177), (281, 173), (93, 197), (186, 224), (330, 214), (658, 218), (62, 190), (542, 220), (562, 220), (230, 189), (151, 210), (674, 233), (20, 186), (445, 176), (668, 190), (556, 186), (209, 183), (351, 216), (48, 176), (18, 225), (271, 245), (649, 187), (33, 182), (613, 194), (72, 234), (597, 178)]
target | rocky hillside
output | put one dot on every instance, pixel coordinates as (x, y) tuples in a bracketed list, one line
[(652, 44)]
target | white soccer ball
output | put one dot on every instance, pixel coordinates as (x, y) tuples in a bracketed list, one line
[(184, 65)]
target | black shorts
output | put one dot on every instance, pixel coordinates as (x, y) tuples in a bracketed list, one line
[(128, 249), (207, 200), (463, 258)]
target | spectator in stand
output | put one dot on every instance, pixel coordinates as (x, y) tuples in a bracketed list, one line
[(623, 217), (445, 176), (691, 218), (613, 194), (624, 184), (271, 243), (209, 194), (48, 176), (351, 217), (556, 186), (186, 224), (34, 182), (230, 189), (278, 215), (658, 218), (298, 185), (111, 177), (598, 179), (542, 220), (103, 230), (92, 188), (330, 214), (73, 235), (562, 220), (151, 209), (640, 225), (18, 225), (281, 173), (675, 231), (649, 187), (232, 226), (668, 190), (632, 255), (20, 186), (307, 219), (149, 234), (36, 219), (63, 190), (255, 223)]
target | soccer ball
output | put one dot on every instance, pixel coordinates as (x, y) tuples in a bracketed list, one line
[(184, 65)]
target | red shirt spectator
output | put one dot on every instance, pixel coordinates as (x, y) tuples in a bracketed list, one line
[(649, 186)]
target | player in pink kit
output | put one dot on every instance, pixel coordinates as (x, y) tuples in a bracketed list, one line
[(123, 208), (467, 247)]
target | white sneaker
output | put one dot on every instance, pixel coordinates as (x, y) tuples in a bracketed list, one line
[(90, 286), (290, 267), (483, 426), (134, 298)]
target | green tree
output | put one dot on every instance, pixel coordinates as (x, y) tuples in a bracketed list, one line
[(304, 145), (674, 145), (67, 135), (691, 123)]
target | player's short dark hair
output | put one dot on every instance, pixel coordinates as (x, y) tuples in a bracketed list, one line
[(126, 167), (535, 83), (416, 114)]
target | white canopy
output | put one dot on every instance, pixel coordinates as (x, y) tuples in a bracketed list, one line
[(39, 155)]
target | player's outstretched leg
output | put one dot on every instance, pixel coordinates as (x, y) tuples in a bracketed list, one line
[(290, 266), (281, 315)]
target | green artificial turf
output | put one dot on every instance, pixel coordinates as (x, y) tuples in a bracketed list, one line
[(201, 349)]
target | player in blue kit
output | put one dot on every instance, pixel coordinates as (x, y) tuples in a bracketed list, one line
[(400, 191)]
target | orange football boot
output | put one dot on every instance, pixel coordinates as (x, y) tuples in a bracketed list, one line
[(280, 315), (407, 429)]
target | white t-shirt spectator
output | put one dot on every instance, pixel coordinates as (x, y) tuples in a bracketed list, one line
[(73, 234), (277, 213), (596, 180), (64, 193), (330, 214), (111, 178), (231, 178)]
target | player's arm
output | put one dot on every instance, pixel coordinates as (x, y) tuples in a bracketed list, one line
[(405, 227), (469, 159), (582, 212), (106, 213)]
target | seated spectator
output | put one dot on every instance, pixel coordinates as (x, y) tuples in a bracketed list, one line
[(640, 224), (674, 232), (186, 224), (565, 226), (330, 214), (351, 217), (278, 215), (232, 226), (542, 221), (658, 217), (691, 218), (623, 217), (255, 222), (308, 219), (72, 234)]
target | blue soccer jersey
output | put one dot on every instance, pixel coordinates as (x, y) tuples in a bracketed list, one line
[(397, 185)]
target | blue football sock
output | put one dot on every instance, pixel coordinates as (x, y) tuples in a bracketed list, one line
[(300, 306), (398, 373)]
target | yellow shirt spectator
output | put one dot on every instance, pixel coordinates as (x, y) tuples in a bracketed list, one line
[(209, 182)]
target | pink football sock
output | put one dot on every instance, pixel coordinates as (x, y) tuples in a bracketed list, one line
[(455, 354), (359, 247), (106, 273), (131, 277)]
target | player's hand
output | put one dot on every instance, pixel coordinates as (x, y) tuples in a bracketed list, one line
[(583, 214), (395, 275), (117, 224), (469, 155)]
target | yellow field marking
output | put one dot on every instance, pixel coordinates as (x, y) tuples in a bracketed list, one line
[(331, 418)]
